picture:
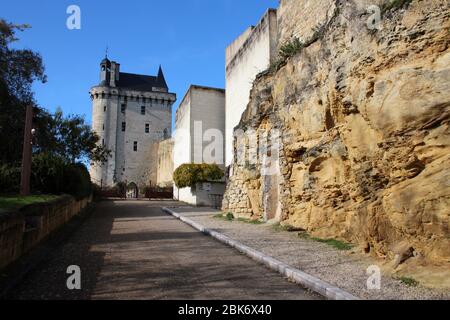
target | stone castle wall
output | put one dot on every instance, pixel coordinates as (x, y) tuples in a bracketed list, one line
[(126, 165), (165, 163), (364, 119), (247, 56)]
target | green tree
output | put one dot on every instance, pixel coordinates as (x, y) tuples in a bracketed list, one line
[(19, 68), (71, 139)]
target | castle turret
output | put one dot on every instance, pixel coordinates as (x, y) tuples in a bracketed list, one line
[(105, 72)]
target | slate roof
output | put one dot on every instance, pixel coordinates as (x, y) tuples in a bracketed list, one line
[(140, 82)]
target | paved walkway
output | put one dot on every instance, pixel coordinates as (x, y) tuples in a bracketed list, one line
[(132, 250), (346, 270)]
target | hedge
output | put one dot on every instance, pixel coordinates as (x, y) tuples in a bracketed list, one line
[(188, 175)]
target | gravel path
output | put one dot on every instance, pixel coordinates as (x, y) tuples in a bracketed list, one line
[(343, 269)]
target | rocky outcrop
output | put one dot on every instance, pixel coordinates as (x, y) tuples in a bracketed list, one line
[(363, 118)]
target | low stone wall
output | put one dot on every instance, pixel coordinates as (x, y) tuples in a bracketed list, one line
[(23, 230)]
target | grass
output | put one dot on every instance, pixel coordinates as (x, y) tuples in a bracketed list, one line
[(279, 228), (340, 245), (17, 202), (230, 217), (287, 51), (227, 217), (291, 48), (245, 220), (287, 228), (337, 244), (410, 282)]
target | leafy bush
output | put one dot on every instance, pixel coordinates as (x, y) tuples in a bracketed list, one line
[(77, 181), (47, 173), (50, 174), (9, 179), (188, 175)]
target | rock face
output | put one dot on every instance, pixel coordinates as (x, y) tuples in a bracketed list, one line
[(363, 118)]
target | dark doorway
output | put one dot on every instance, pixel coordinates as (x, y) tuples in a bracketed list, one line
[(132, 191)]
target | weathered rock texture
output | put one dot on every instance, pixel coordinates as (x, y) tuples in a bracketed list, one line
[(364, 119)]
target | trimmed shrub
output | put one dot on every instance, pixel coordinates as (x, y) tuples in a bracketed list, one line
[(188, 175)]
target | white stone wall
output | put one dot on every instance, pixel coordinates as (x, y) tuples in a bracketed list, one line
[(202, 109), (204, 196), (199, 195), (208, 118), (182, 141), (127, 165), (165, 163), (236, 45), (186, 195), (246, 57)]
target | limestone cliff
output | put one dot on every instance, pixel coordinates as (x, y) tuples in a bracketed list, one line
[(364, 119)]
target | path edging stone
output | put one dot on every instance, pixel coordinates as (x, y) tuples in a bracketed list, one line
[(321, 287)]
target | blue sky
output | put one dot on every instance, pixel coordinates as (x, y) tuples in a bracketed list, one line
[(188, 38)]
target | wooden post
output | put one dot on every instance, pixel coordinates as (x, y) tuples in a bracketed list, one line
[(26, 154)]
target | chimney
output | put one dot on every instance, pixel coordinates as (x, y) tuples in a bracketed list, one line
[(115, 72)]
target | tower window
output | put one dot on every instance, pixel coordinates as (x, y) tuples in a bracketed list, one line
[(123, 107), (124, 126), (135, 146), (103, 127), (104, 108), (103, 142), (143, 110), (147, 128)]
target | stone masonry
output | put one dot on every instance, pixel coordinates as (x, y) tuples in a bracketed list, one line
[(131, 114)]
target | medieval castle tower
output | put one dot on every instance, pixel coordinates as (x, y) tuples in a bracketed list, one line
[(131, 113)]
